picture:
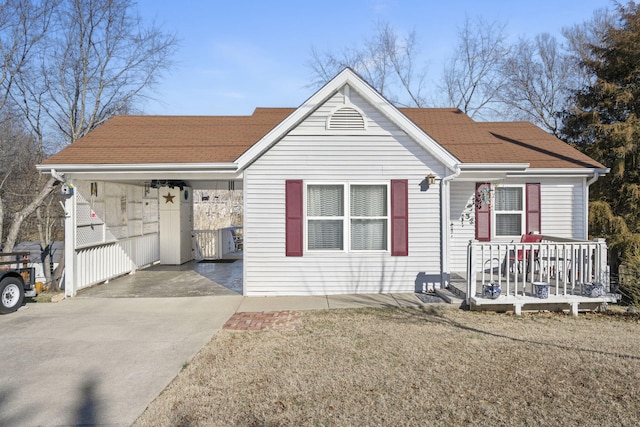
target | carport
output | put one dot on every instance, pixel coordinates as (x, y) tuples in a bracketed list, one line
[(119, 177), (192, 279)]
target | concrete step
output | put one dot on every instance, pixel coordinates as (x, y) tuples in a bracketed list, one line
[(449, 296), (458, 289)]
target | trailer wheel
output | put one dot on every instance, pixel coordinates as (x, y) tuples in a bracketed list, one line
[(11, 294)]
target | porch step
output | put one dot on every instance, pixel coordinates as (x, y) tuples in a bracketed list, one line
[(458, 289), (449, 296)]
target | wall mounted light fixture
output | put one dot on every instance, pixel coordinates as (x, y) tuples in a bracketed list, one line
[(431, 179)]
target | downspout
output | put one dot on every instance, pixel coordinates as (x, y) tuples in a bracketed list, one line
[(445, 210), (596, 175)]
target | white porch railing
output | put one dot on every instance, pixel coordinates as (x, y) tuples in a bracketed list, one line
[(106, 261), (216, 244), (564, 264), (204, 244)]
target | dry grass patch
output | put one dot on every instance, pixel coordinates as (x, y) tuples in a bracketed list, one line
[(436, 366)]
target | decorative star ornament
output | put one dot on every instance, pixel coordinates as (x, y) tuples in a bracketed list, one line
[(168, 198)]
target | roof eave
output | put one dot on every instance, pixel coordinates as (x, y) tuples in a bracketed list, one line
[(140, 167), (574, 172)]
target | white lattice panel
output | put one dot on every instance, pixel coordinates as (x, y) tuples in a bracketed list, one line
[(83, 213), (99, 209), (79, 197), (150, 227), (87, 235)]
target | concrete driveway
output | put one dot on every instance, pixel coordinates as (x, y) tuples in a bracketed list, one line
[(99, 360)]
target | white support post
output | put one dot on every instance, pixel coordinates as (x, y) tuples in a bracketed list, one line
[(574, 308), (517, 308), (471, 272), (70, 285), (602, 263)]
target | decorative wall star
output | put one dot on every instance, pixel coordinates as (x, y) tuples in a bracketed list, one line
[(169, 198)]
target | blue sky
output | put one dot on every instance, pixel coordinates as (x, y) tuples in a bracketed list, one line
[(237, 55)]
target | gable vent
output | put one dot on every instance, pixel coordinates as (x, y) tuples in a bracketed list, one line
[(346, 118)]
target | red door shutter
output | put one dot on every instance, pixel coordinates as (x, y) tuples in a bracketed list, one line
[(294, 212), (533, 208), (399, 217), (483, 212)]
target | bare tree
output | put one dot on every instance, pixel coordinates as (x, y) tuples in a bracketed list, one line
[(581, 39), (386, 61), (538, 78), (97, 63), (90, 60), (472, 79)]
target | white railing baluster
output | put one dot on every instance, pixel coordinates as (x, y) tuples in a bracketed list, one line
[(106, 261), (563, 263)]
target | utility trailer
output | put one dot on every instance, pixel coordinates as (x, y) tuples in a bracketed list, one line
[(17, 280)]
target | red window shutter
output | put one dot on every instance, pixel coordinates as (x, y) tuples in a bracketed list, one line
[(294, 217), (533, 208), (399, 217), (483, 213)]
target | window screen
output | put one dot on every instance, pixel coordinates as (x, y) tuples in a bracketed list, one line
[(369, 217), (325, 201), (509, 208)]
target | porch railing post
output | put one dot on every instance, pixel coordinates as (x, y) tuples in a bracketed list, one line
[(601, 263), (471, 272)]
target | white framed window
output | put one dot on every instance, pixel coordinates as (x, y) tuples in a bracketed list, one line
[(509, 211), (347, 217)]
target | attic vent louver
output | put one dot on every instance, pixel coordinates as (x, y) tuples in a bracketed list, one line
[(346, 118)]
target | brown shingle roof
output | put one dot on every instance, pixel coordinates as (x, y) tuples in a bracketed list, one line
[(171, 139), (221, 139), (497, 142)]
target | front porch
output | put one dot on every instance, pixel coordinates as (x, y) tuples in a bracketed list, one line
[(554, 274)]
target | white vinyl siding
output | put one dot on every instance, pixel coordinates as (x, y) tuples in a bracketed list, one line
[(562, 202), (314, 154)]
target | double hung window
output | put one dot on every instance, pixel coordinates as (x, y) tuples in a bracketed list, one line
[(352, 217), (509, 211)]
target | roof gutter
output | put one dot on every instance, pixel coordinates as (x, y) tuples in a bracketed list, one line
[(596, 175), (140, 167)]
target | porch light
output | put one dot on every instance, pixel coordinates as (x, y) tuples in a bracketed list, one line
[(431, 179)]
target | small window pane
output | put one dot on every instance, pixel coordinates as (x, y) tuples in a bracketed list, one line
[(325, 200), (368, 200), (325, 235), (369, 234), (508, 199), (508, 224)]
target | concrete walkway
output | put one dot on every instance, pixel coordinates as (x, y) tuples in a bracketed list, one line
[(101, 361)]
